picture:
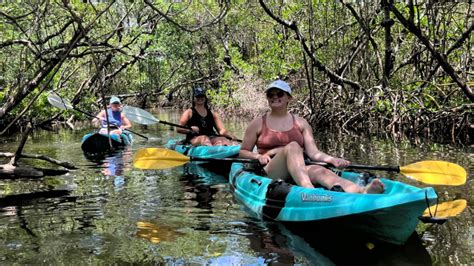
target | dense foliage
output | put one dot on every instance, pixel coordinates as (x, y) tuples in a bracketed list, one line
[(401, 69)]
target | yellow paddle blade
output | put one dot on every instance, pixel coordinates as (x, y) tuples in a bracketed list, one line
[(447, 209), (436, 173), (158, 158)]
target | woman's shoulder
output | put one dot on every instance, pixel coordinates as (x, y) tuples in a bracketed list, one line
[(300, 121), (259, 118), (257, 121), (187, 113)]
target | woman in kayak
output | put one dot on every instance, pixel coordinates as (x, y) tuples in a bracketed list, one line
[(116, 119), (203, 124), (282, 139)]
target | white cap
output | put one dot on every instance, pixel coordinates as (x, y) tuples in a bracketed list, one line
[(114, 99), (279, 84)]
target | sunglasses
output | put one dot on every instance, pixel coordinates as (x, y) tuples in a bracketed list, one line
[(279, 94)]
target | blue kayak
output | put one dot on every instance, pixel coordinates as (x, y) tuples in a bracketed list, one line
[(203, 151), (96, 142), (391, 217)]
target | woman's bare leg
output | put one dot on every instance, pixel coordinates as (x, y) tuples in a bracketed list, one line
[(220, 141), (282, 165), (201, 141), (327, 178)]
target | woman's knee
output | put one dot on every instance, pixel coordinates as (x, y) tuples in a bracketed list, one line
[(201, 140), (220, 141), (317, 171), (293, 147)]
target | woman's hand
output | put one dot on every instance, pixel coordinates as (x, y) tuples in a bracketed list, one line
[(263, 159), (195, 129), (339, 162)]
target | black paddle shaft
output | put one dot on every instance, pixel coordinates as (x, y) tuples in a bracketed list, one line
[(237, 160), (186, 127), (352, 166), (361, 167), (375, 167)]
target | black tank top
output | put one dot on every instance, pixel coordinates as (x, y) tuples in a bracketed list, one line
[(205, 124)]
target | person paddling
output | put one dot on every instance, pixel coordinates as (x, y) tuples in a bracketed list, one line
[(117, 121), (203, 123), (283, 138)]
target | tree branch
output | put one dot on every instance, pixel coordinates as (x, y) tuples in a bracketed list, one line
[(447, 67)]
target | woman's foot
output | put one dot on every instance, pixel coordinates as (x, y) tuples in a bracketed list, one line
[(375, 187)]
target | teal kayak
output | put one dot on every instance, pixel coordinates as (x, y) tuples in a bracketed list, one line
[(390, 217), (96, 143), (203, 151)]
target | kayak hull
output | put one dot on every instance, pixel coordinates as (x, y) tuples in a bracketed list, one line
[(203, 151), (206, 152), (96, 143), (390, 217)]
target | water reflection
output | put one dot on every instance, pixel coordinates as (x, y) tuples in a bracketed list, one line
[(342, 246), (156, 233), (113, 164)]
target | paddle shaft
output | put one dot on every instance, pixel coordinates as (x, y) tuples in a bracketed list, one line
[(185, 127), (93, 116), (351, 166), (235, 160)]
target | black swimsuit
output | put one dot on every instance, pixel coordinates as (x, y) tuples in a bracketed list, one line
[(205, 124)]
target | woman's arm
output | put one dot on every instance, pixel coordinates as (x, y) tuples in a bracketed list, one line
[(184, 120), (126, 124), (312, 150), (221, 130), (249, 141), (97, 120)]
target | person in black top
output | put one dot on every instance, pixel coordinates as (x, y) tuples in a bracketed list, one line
[(206, 128)]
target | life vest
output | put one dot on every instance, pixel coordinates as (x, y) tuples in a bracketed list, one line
[(115, 119)]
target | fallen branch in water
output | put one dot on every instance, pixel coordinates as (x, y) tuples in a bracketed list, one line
[(67, 165)]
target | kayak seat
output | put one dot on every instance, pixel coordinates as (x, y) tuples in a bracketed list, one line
[(337, 188), (275, 198)]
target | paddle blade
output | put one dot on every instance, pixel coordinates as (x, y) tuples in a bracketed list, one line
[(139, 116), (447, 209), (436, 173), (158, 158), (59, 102)]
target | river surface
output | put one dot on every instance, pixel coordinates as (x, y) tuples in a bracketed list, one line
[(108, 212)]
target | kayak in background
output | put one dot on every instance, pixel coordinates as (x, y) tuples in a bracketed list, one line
[(205, 152), (96, 143), (390, 217)]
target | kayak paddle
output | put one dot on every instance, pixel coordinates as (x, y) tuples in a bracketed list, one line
[(140, 116), (446, 209), (429, 172), (439, 213), (160, 158), (63, 104)]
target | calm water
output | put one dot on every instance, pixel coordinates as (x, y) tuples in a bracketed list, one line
[(109, 212)]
